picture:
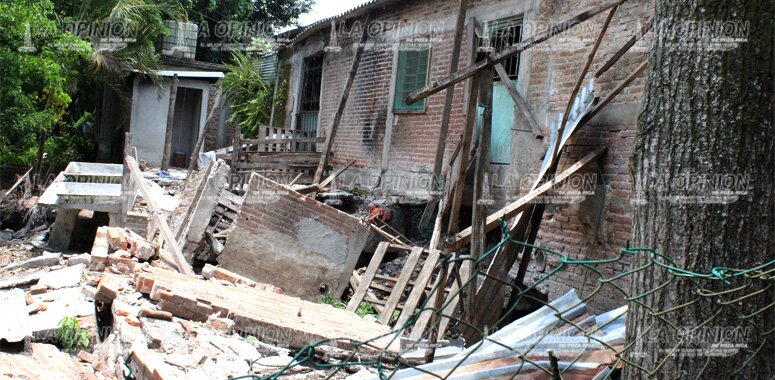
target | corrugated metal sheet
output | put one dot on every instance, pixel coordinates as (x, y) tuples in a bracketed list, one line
[(267, 66), (324, 23)]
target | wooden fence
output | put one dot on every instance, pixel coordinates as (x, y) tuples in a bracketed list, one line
[(278, 154)]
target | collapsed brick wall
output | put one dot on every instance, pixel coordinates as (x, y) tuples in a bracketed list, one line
[(281, 237)]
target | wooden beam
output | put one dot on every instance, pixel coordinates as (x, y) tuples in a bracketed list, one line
[(235, 153), (165, 159), (185, 225), (368, 277), (519, 101), (16, 185), (479, 213), (201, 139), (333, 176), (625, 48), (580, 80), (458, 188), (467, 72), (390, 238), (419, 288), (342, 102), (398, 289), (610, 97), (441, 144), (390, 119), (521, 204), (166, 233), (128, 188)]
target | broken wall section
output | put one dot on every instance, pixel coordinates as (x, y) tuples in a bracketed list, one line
[(286, 239)]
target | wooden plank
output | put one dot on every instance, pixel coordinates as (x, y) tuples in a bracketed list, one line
[(128, 188), (479, 213), (165, 160), (235, 153), (333, 176), (441, 143), (458, 188), (390, 119), (185, 225), (166, 234), (398, 289), (419, 288), (467, 72), (425, 316), (624, 49), (283, 141), (16, 185), (201, 139), (610, 97), (580, 79), (519, 101), (371, 270), (522, 203), (342, 102)]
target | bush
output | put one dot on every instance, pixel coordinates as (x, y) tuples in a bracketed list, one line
[(70, 334)]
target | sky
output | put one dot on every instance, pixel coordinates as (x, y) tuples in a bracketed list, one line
[(327, 8)]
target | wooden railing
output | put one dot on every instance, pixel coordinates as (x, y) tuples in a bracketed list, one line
[(279, 154)]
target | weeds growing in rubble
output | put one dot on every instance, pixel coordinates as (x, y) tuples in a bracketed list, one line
[(70, 334)]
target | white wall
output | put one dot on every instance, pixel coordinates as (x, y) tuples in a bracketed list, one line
[(148, 125)]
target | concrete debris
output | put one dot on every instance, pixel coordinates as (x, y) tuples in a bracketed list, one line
[(14, 323), (62, 278), (45, 260)]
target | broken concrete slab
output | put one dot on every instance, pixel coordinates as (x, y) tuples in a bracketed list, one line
[(45, 362), (60, 303), (45, 260), (14, 323), (292, 241), (270, 317), (62, 278)]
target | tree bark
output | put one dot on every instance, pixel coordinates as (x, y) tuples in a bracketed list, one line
[(706, 121)]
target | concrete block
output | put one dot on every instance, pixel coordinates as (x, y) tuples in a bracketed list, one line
[(297, 243)]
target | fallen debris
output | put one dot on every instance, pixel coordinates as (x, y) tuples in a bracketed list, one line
[(278, 226), (269, 316)]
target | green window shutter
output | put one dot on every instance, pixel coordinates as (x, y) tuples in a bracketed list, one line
[(411, 75)]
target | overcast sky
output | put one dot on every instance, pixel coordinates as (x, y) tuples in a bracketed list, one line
[(327, 8)]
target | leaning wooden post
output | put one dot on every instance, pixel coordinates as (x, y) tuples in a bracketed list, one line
[(441, 144), (456, 197), (342, 102), (200, 140), (467, 72), (579, 82), (165, 159), (166, 233)]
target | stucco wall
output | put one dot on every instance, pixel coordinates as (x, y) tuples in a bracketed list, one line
[(148, 125)]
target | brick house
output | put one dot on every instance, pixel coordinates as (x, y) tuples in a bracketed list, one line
[(394, 143)]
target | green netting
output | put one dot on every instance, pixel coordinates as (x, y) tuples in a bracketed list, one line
[(736, 286)]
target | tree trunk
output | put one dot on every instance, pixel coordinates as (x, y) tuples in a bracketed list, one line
[(706, 126)]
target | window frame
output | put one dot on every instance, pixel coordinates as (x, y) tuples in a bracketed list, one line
[(500, 24), (420, 39)]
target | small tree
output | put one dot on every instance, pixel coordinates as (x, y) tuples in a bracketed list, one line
[(248, 94)]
